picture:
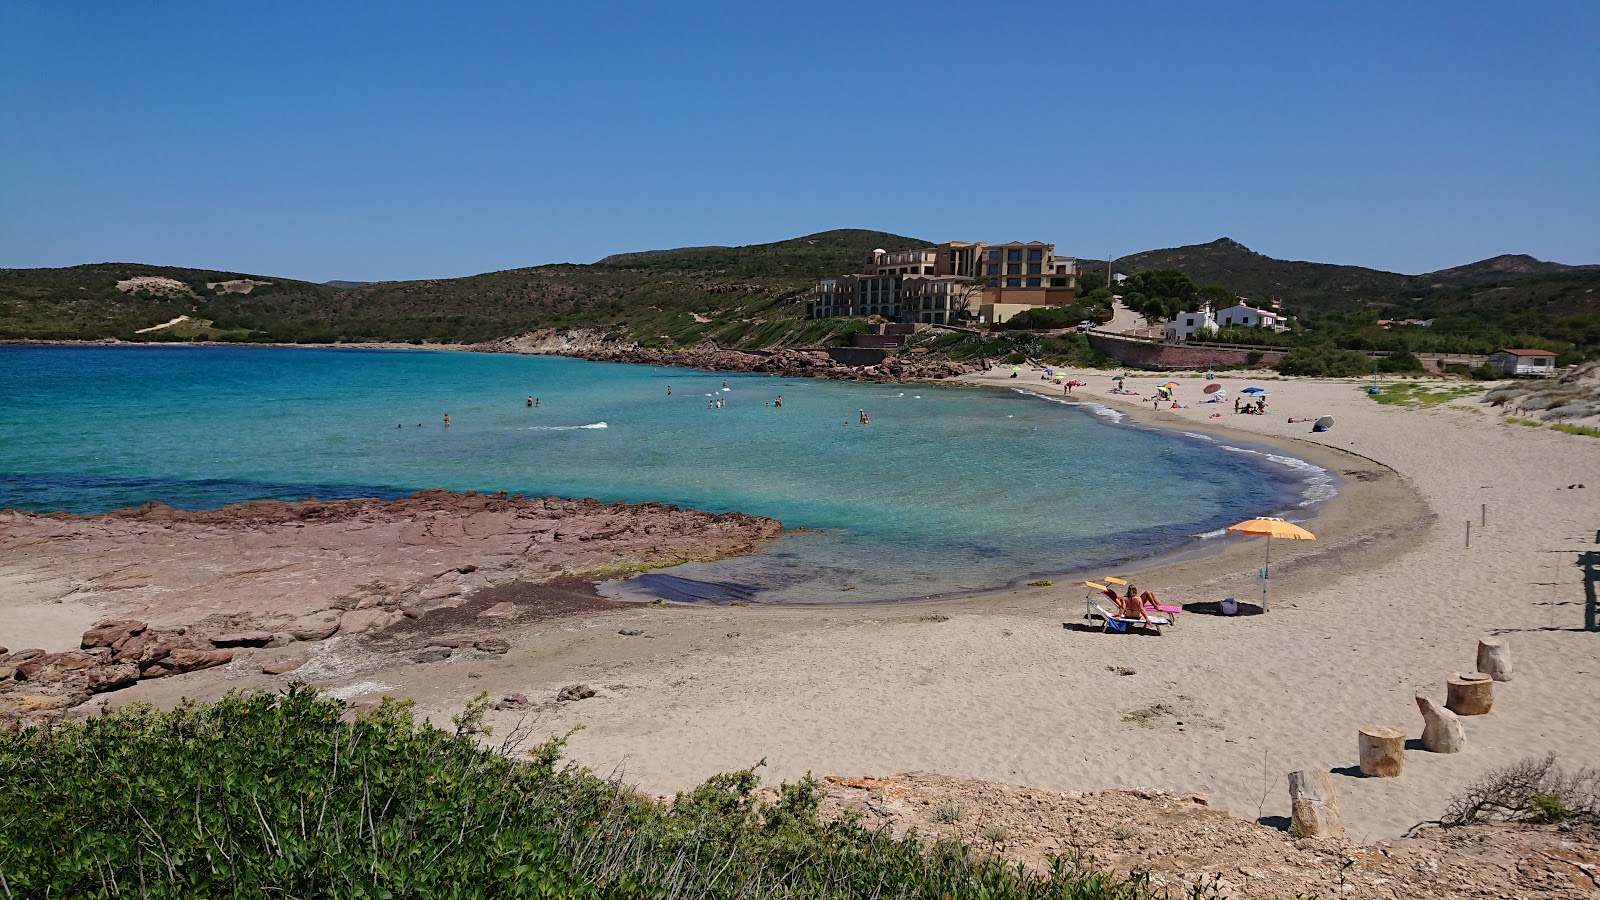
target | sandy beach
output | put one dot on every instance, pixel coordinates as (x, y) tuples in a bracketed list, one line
[(1010, 686)]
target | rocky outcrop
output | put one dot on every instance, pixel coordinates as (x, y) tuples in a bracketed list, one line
[(267, 574), (588, 344)]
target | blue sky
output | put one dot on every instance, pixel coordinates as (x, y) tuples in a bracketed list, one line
[(399, 140)]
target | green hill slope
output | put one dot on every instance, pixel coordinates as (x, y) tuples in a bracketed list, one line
[(746, 297), (738, 296)]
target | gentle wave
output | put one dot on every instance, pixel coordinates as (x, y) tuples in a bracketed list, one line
[(1318, 483), (1104, 412), (1208, 535), (565, 427)]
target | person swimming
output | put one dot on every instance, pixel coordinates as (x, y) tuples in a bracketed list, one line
[(778, 402), (669, 390)]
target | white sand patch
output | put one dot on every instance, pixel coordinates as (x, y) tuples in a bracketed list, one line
[(162, 325), (155, 284), (236, 286)]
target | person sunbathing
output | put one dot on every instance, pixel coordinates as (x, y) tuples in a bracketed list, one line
[(1132, 607)]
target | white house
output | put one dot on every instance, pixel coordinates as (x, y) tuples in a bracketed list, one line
[(1186, 324), (1249, 315), (1524, 362)]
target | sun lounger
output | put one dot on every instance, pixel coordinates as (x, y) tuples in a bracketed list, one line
[(1171, 611), (1117, 621)]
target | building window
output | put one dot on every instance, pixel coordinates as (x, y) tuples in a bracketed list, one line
[(1033, 282), (1013, 256), (1035, 255), (1058, 282), (1013, 268), (1033, 269), (1013, 282), (994, 255), (927, 270)]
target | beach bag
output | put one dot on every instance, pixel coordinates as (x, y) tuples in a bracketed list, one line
[(1230, 606)]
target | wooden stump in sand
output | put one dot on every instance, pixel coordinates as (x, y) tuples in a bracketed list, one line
[(1469, 694), (1441, 728), (1494, 658), (1315, 808), (1383, 750)]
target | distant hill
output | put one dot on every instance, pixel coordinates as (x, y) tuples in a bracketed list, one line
[(617, 259), (1504, 268), (1500, 283), (736, 296), (750, 296)]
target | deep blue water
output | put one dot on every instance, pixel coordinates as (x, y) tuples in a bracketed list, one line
[(947, 489)]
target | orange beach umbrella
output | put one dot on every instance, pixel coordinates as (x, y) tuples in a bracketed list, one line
[(1272, 527)]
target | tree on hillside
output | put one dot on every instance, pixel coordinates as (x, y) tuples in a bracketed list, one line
[(1220, 297), (1160, 294)]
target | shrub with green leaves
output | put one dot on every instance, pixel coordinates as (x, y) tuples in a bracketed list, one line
[(291, 795)]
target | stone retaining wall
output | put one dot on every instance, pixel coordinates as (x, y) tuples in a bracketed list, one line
[(1155, 355)]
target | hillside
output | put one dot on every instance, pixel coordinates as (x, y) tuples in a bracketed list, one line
[(748, 297), (745, 296), (1491, 289)]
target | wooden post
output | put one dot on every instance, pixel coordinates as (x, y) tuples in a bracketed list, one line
[(1469, 694), (1315, 807), (1383, 751), (1494, 658), (1469, 533), (1441, 729)]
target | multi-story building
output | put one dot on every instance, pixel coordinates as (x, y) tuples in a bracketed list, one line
[(930, 299), (934, 284)]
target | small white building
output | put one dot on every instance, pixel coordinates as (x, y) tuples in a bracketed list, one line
[(1183, 327), (1541, 363), (1250, 316)]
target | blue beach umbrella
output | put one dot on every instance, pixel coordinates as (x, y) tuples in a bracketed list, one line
[(1253, 390)]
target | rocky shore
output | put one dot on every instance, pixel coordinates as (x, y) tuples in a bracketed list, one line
[(169, 591), (593, 345)]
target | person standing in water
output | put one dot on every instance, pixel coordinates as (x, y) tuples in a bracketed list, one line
[(530, 403), (447, 420), (724, 382), (669, 390), (863, 414), (778, 402), (536, 402)]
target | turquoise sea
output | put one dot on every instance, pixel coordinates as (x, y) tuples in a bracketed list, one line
[(947, 489)]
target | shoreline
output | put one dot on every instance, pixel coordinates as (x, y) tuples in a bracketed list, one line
[(1010, 687)]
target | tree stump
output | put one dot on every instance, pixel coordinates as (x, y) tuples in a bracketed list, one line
[(1383, 750), (1315, 808), (1494, 658), (1469, 694), (1441, 728)]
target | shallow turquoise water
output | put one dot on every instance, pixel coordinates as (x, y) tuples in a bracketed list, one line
[(947, 489)]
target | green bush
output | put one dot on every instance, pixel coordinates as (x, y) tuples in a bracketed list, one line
[(1325, 362), (290, 795)]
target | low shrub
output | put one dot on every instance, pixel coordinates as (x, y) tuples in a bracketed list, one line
[(1533, 790), (290, 795)]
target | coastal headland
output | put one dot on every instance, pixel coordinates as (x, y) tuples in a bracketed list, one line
[(1008, 687)]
